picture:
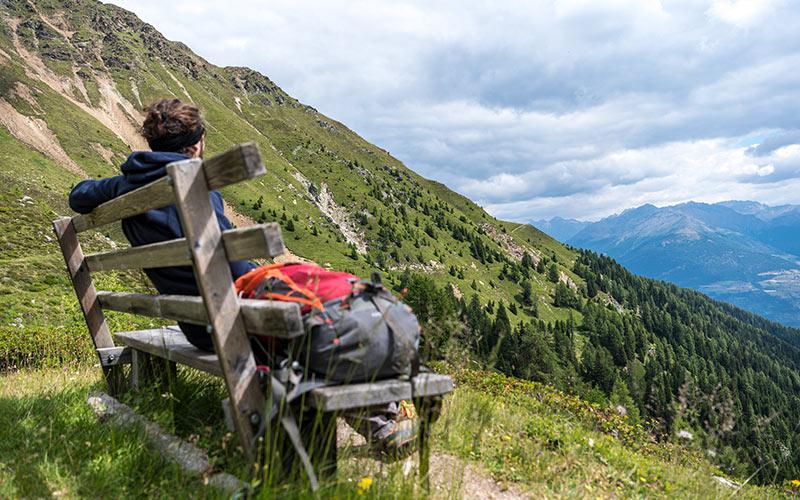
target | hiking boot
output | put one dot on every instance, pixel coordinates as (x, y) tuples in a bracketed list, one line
[(401, 441)]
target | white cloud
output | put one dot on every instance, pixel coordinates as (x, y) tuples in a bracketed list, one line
[(566, 107), (740, 13)]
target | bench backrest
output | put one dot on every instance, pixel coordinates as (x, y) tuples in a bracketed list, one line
[(208, 250)]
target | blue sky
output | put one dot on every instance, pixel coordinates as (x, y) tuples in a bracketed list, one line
[(536, 109)]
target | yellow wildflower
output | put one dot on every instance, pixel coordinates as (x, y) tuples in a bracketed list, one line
[(795, 482), (363, 485)]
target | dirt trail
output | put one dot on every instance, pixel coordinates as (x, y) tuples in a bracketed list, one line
[(35, 133), (241, 220), (238, 219), (450, 476), (178, 83)]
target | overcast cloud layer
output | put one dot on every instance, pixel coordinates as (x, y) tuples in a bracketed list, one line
[(536, 109)]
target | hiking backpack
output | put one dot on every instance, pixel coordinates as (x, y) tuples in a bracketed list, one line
[(356, 330)]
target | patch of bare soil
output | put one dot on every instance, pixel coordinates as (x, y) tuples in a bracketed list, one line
[(35, 133), (564, 278), (104, 152), (431, 266), (512, 248), (26, 94), (135, 90), (323, 200), (288, 257), (56, 22), (114, 112)]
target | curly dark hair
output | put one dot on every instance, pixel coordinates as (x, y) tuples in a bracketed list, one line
[(172, 125)]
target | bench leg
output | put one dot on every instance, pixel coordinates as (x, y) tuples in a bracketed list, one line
[(115, 378), (147, 369), (429, 410)]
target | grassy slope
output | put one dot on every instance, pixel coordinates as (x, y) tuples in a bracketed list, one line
[(527, 435)]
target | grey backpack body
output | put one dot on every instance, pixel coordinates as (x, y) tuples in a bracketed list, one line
[(366, 336)]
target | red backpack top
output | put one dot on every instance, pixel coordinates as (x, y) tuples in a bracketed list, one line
[(308, 284)]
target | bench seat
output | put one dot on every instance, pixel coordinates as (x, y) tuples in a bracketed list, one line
[(169, 343)]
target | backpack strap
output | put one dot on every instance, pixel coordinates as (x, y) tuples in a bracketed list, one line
[(281, 398), (289, 424)]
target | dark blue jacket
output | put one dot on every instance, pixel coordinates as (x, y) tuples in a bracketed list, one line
[(143, 167)]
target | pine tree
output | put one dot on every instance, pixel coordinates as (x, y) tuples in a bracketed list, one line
[(591, 288), (552, 273), (527, 295), (526, 260), (621, 396)]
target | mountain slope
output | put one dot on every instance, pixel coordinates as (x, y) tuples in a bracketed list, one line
[(739, 252), (73, 78)]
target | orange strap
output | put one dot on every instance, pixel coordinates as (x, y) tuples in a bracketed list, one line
[(251, 281)]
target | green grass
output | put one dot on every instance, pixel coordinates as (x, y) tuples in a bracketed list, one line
[(51, 444), (554, 445), (527, 436)]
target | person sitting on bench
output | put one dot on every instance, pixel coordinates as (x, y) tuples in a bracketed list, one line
[(175, 131)]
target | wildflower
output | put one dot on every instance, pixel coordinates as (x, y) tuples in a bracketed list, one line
[(796, 482), (363, 485)]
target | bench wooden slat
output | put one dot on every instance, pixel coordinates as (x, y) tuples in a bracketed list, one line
[(157, 194), (237, 164), (170, 344), (263, 240), (344, 397), (261, 317)]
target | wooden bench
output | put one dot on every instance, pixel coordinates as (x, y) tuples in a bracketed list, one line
[(228, 319)]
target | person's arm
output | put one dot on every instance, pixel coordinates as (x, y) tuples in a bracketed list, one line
[(219, 208), (238, 267), (88, 194)]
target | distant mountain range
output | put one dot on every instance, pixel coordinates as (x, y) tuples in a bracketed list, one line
[(742, 252), (560, 228)]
